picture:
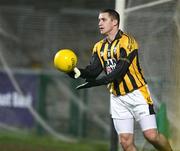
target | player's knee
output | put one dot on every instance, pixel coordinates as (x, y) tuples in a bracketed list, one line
[(151, 135), (126, 140)]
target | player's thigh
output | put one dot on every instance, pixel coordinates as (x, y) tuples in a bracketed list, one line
[(143, 109), (124, 126), (118, 109), (143, 104), (148, 122)]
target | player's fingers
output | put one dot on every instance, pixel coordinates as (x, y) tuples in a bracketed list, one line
[(77, 73)]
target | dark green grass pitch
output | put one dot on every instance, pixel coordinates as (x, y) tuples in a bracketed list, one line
[(16, 142)]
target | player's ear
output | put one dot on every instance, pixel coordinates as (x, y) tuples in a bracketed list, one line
[(115, 22)]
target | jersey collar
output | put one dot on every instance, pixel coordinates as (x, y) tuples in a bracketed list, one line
[(118, 36)]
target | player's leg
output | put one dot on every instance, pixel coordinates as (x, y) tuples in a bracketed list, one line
[(125, 129), (123, 123), (144, 112), (148, 125)]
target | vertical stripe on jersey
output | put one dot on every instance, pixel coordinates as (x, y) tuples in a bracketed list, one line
[(139, 69), (132, 80), (128, 82), (105, 51), (135, 71), (125, 86), (116, 87), (100, 52), (109, 56), (129, 43), (138, 75), (121, 87), (112, 89), (114, 49), (118, 52)]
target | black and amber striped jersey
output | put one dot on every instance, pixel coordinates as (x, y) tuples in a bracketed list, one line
[(109, 55)]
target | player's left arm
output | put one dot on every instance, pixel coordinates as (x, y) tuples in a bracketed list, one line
[(120, 69), (118, 73)]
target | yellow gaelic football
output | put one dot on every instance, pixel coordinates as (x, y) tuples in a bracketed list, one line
[(65, 60)]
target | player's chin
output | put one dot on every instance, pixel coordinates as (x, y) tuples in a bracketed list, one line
[(102, 32)]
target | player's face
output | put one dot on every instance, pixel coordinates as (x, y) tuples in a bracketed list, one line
[(106, 23)]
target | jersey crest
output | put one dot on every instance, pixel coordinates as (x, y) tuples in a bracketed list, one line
[(110, 65)]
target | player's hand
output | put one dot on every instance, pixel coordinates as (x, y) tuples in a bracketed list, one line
[(75, 73)]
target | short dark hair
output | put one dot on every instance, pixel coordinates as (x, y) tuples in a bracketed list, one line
[(114, 14)]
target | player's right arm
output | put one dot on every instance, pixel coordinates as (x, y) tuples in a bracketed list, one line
[(91, 71)]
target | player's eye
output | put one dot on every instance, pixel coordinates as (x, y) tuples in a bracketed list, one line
[(102, 19)]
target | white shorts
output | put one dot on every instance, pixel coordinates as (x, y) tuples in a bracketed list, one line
[(136, 105)]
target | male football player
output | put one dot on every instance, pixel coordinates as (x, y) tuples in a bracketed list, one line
[(117, 56)]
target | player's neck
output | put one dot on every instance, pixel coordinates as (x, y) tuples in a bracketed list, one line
[(111, 35)]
